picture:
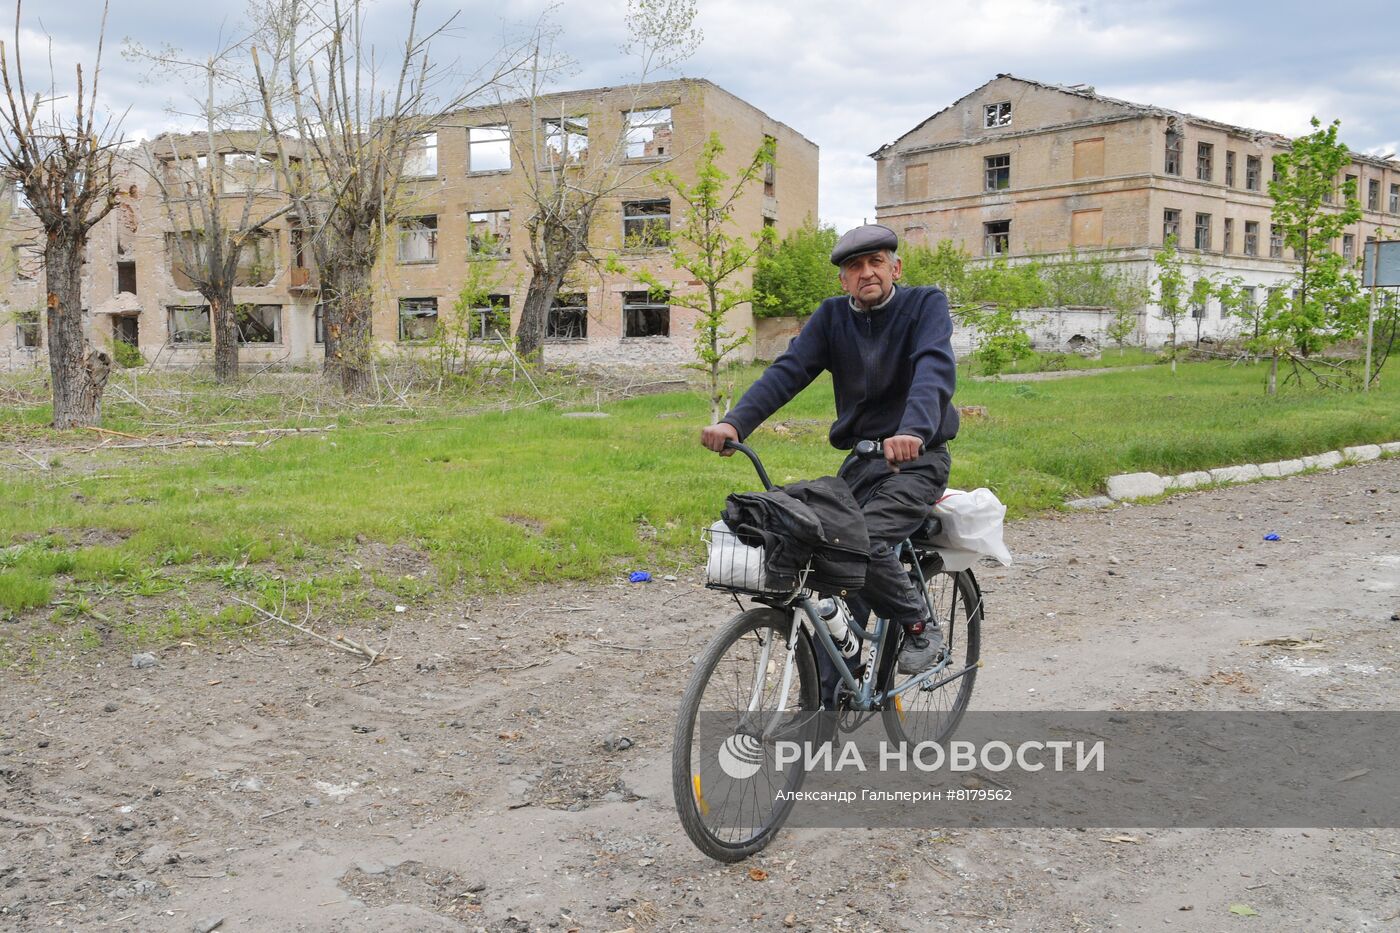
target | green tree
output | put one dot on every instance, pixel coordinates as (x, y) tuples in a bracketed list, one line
[(1171, 289), (705, 246), (1202, 291), (946, 266), (1327, 304), (797, 275), (996, 296)]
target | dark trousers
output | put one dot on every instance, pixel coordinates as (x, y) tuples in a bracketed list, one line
[(894, 505)]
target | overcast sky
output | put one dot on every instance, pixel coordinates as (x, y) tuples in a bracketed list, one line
[(853, 75)]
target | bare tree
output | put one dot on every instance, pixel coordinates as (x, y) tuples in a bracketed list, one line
[(569, 171), (219, 189), (345, 183), (64, 164)]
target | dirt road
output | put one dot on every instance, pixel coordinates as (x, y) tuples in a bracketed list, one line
[(509, 770)]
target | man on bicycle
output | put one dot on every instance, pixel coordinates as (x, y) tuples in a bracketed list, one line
[(890, 355)]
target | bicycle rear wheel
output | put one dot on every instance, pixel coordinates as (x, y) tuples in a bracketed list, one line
[(931, 712), (738, 690)]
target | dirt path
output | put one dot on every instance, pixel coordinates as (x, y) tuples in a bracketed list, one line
[(280, 787)]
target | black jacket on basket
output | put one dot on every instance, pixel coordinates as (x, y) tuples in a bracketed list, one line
[(815, 520)]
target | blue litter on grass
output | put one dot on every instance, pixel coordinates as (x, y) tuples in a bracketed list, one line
[(1271, 536), (639, 576)]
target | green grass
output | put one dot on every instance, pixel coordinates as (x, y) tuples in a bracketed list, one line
[(1044, 362), (502, 500)]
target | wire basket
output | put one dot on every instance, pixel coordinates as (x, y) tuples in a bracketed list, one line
[(736, 567)]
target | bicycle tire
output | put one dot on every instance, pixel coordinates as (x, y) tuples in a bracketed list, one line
[(927, 714), (741, 635)]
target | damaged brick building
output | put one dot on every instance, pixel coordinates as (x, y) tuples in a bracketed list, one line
[(468, 203), (1022, 169)]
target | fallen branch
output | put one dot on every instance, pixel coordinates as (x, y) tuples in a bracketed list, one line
[(340, 641)]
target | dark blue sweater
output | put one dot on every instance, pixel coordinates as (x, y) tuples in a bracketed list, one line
[(893, 370)]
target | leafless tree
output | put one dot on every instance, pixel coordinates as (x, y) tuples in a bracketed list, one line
[(219, 188), (355, 137), (567, 181), (64, 164)]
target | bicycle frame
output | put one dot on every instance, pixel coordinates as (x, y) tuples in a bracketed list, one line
[(863, 694)]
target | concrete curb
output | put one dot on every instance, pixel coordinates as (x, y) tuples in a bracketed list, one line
[(1128, 486)]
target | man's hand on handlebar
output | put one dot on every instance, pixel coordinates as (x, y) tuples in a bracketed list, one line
[(714, 436), (902, 448)]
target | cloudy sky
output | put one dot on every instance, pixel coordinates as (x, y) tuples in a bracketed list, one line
[(853, 75)]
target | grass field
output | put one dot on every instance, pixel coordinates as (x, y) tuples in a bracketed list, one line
[(499, 500)]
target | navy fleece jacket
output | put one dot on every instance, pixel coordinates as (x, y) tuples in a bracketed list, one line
[(892, 367)]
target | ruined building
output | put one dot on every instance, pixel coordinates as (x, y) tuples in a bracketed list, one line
[(1018, 168), (468, 202)]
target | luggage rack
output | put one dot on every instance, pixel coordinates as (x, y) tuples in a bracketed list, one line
[(735, 567)]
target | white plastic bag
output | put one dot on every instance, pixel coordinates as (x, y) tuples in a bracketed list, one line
[(972, 524), (732, 563)]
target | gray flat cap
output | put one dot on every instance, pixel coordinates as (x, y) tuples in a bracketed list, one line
[(870, 238)]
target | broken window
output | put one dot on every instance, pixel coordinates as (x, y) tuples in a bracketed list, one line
[(1275, 241), (648, 133), (1205, 161), (185, 251), (1251, 238), (490, 321), (245, 171), (27, 329), (645, 315), (1395, 199), (417, 319), (1373, 195), (257, 263), (126, 277), (318, 323), (1198, 310), (568, 318), (418, 239), (770, 170), (184, 176), (488, 234), (998, 114), (258, 323), (1171, 226), (1202, 238), (1228, 241), (996, 238), (488, 148), (1349, 247), (998, 172), (1349, 187), (23, 257), (646, 224), (1172, 161), (1229, 169), (1253, 168), (189, 324), (420, 160), (566, 139)]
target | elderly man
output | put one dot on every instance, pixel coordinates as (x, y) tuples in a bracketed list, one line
[(891, 360)]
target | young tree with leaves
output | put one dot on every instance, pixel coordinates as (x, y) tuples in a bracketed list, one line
[(793, 277), (1327, 305), (1172, 293), (65, 166)]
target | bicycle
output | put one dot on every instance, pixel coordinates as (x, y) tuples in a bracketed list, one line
[(762, 698)]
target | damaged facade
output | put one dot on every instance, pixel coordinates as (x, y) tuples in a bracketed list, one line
[(467, 203), (1022, 169)]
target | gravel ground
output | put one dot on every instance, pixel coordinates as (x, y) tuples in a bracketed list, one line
[(480, 780)]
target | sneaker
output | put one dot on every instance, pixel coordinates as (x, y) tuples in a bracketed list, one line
[(921, 651)]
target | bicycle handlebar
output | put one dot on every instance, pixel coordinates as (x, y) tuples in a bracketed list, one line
[(757, 464)]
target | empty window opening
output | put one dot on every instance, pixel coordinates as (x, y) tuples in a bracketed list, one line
[(996, 238), (566, 139), (1373, 195), (245, 172), (998, 114), (27, 329), (1228, 241), (258, 324), (998, 172), (318, 323), (1349, 247), (1172, 160), (488, 234), (1275, 241), (1205, 161), (490, 321), (568, 318), (23, 257), (1229, 168), (1251, 238), (421, 158), (1171, 226), (645, 316), (1253, 169), (189, 325), (418, 318), (648, 133), (1395, 199), (126, 329), (418, 239), (126, 277), (770, 171), (1202, 231), (646, 224), (488, 148)]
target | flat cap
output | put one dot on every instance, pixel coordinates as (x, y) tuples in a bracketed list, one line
[(870, 238)]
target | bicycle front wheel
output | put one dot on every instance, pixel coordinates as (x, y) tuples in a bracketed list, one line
[(932, 711), (748, 682)]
